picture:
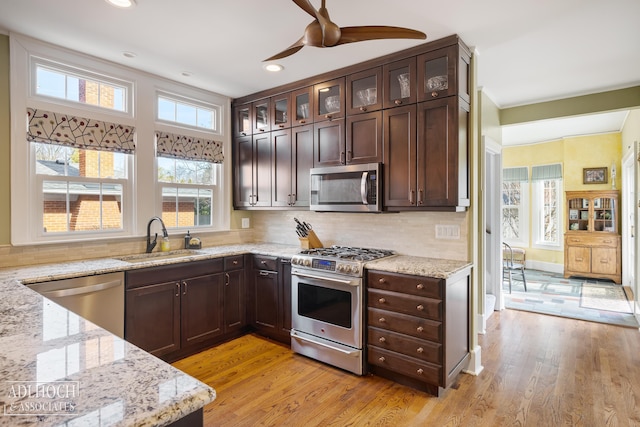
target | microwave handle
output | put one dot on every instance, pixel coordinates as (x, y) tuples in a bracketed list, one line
[(363, 187)]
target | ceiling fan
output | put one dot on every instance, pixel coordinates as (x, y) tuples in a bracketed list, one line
[(322, 32)]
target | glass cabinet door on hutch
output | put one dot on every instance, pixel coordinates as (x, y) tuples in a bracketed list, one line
[(329, 100), (364, 91), (303, 106), (578, 214), (604, 215), (399, 83)]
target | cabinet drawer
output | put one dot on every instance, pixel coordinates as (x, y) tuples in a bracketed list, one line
[(172, 272), (405, 324), (408, 366), (233, 262), (414, 285), (262, 262), (408, 304), (420, 349), (591, 240)]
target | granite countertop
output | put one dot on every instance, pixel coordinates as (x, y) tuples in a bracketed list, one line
[(106, 380)]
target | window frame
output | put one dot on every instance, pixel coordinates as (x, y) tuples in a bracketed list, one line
[(523, 210), (197, 103), (537, 212)]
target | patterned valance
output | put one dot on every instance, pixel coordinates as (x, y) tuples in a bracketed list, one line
[(188, 148), (546, 172), (520, 174), (88, 134)]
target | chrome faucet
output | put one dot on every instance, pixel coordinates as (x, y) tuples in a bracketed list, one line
[(150, 244)]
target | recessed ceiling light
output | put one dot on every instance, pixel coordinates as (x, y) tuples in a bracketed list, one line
[(273, 67), (129, 54), (121, 3)]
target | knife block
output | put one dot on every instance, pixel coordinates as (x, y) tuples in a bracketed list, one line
[(311, 241)]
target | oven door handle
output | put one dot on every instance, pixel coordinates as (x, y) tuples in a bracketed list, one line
[(328, 279), (298, 337)]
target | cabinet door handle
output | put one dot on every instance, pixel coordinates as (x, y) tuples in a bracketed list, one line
[(381, 359), (363, 108), (411, 194), (293, 199), (281, 126), (177, 289), (420, 198), (434, 94), (420, 307), (185, 287), (349, 156), (342, 157), (302, 122), (226, 275), (264, 273), (398, 101), (328, 117)]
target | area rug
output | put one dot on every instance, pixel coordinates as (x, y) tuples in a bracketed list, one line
[(605, 297)]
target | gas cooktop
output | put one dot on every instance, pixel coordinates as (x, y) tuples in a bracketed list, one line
[(345, 260), (348, 253)]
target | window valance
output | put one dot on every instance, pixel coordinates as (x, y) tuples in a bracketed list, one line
[(515, 174), (79, 132), (188, 148), (539, 173)]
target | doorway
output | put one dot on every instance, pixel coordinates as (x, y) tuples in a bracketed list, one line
[(629, 223)]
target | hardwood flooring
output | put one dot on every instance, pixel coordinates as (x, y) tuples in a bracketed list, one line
[(538, 371)]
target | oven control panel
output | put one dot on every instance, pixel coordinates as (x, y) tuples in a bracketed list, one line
[(323, 264), (328, 265)]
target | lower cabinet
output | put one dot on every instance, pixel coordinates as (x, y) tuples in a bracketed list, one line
[(175, 310), (417, 328), (269, 302)]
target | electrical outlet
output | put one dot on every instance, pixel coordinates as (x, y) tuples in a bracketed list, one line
[(449, 232), (245, 223)]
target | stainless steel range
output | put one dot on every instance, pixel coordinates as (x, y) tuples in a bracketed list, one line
[(328, 304)]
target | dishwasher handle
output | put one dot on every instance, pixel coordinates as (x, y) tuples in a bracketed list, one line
[(82, 290)]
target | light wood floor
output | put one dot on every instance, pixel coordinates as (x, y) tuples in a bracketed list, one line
[(538, 371)]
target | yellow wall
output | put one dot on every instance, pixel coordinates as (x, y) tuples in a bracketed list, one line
[(574, 154), (5, 145)]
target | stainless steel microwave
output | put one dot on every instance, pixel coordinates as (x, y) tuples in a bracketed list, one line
[(349, 188)]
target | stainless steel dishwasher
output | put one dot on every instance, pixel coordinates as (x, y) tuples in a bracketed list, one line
[(99, 299)]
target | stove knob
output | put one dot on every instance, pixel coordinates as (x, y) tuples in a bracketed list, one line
[(307, 263), (340, 267), (354, 269)]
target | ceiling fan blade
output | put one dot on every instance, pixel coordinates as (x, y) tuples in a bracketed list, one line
[(307, 7), (377, 32), (288, 51)]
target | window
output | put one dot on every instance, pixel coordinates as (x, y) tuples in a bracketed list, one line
[(547, 205), (188, 184), (191, 113), (79, 86), (515, 182)]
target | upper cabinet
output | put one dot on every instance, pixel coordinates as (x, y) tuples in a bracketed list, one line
[(399, 83), (302, 100), (280, 111), (242, 120), (364, 91), (443, 72), (261, 110), (329, 100)]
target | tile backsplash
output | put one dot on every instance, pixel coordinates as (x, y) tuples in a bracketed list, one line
[(408, 233)]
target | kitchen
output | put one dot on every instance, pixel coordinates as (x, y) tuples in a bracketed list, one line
[(396, 231)]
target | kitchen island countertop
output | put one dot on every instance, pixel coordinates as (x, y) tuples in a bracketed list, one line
[(419, 266)]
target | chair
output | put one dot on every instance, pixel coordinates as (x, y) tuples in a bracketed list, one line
[(513, 260)]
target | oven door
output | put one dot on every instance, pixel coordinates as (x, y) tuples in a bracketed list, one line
[(328, 306)]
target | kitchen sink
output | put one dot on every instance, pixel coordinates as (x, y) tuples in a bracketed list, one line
[(159, 256)]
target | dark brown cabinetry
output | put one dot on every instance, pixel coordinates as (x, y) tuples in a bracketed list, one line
[(417, 328), (261, 116), (292, 160), (242, 120), (175, 310), (424, 145), (252, 165), (269, 300)]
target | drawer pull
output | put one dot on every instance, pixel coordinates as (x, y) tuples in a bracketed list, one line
[(420, 350), (381, 280), (235, 262), (382, 339), (419, 329), (420, 307), (579, 259), (382, 320), (575, 240), (382, 300), (419, 286), (381, 359), (420, 371), (604, 261), (607, 241)]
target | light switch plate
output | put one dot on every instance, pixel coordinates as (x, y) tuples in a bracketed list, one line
[(450, 232), (245, 223)]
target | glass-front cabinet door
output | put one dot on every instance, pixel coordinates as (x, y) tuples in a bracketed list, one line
[(578, 214), (329, 100), (437, 74), (399, 83), (364, 91), (604, 215), (243, 122), (280, 113), (261, 122), (303, 106)]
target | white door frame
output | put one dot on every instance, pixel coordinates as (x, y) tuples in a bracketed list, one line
[(628, 220), (492, 190)]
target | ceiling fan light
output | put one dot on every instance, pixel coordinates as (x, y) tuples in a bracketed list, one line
[(121, 3), (274, 68)]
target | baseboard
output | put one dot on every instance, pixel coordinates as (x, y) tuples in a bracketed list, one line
[(545, 266), (474, 367)]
